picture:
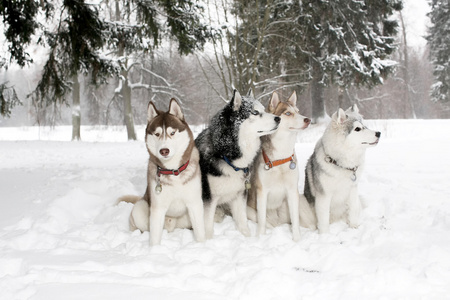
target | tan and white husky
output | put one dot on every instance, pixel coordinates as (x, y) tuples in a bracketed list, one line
[(174, 188), (276, 175)]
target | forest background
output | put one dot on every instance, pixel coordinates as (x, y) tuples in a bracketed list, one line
[(333, 53)]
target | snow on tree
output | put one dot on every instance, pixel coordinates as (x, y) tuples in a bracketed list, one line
[(276, 44), (347, 42), (439, 42), (137, 28), (19, 26)]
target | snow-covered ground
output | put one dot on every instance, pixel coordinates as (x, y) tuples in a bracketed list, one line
[(63, 237)]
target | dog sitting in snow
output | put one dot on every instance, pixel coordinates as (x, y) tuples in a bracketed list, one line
[(174, 190), (228, 148), (333, 170), (275, 176)]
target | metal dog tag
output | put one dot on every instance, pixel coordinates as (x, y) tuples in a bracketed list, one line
[(248, 185), (292, 165), (158, 188)]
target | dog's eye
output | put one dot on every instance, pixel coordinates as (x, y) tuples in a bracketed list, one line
[(288, 113), (358, 129), (255, 112), (157, 134), (172, 133)]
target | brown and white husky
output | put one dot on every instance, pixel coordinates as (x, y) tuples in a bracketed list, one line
[(276, 175), (174, 189)]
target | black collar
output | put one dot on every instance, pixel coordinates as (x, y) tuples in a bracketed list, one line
[(330, 160), (245, 170)]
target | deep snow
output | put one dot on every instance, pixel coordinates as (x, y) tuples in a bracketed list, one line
[(62, 237)]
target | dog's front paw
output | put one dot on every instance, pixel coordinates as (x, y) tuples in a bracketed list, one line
[(354, 224), (245, 231), (200, 238), (261, 231), (324, 229), (209, 234), (296, 236)]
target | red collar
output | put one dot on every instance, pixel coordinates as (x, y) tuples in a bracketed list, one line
[(172, 172), (271, 164)]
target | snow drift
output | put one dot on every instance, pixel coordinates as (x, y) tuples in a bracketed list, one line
[(63, 237)]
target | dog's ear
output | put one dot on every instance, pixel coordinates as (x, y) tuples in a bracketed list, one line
[(175, 109), (339, 117), (236, 101), (273, 102), (354, 108), (293, 99), (152, 112)]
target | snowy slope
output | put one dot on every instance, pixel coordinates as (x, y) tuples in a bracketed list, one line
[(62, 237)]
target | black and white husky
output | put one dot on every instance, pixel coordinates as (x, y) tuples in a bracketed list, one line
[(333, 171), (228, 148), (174, 190)]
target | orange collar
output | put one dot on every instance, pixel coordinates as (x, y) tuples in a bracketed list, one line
[(271, 164)]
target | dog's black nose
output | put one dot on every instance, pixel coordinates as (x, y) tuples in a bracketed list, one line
[(307, 120), (277, 119), (164, 152), (377, 134)]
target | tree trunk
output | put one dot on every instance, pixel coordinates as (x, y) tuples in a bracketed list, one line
[(344, 99), (76, 110), (317, 89), (127, 108), (406, 70), (126, 90)]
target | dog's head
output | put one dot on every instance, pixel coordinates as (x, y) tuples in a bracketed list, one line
[(350, 125), (239, 124), (249, 116), (291, 119), (168, 136)]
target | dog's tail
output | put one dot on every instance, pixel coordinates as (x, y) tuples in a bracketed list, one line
[(128, 199), (139, 217), (307, 216)]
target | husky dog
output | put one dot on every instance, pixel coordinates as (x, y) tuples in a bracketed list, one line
[(275, 177), (333, 170), (173, 178), (228, 148)]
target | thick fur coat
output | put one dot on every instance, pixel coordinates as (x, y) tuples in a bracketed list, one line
[(228, 148), (275, 181), (173, 195), (333, 171)]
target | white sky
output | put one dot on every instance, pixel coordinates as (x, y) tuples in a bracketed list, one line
[(416, 22)]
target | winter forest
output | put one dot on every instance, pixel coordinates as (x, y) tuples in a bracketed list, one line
[(99, 62), (76, 77)]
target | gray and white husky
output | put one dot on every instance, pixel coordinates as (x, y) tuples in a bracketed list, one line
[(174, 190), (334, 169), (228, 148)]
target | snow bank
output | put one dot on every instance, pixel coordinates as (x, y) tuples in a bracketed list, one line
[(62, 236)]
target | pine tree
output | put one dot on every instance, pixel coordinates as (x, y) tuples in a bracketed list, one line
[(138, 27), (19, 27), (347, 43), (257, 47), (74, 48), (291, 44), (439, 42)]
